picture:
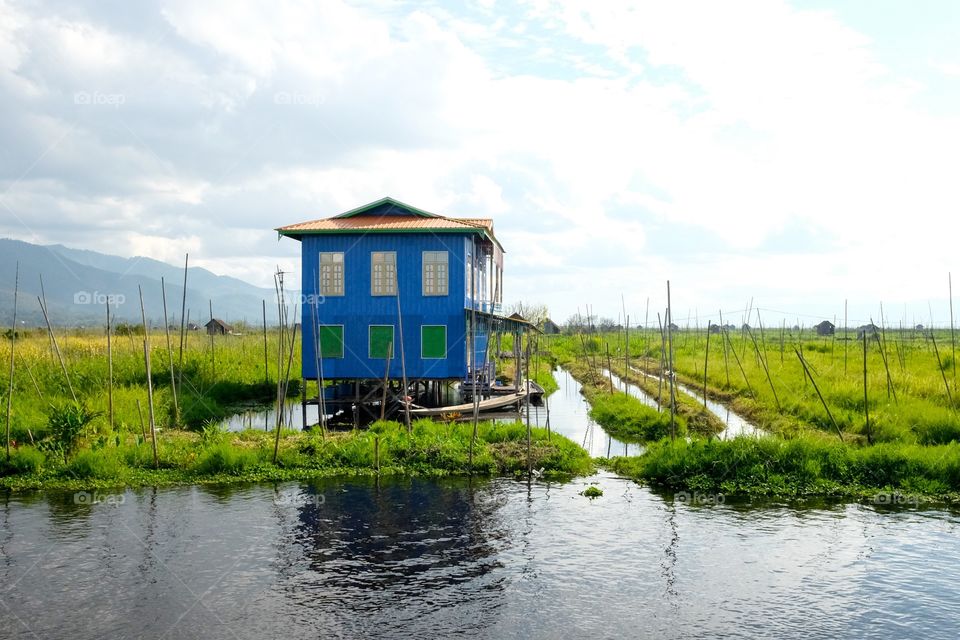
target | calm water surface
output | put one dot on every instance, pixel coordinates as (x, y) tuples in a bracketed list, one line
[(501, 558), (487, 559)]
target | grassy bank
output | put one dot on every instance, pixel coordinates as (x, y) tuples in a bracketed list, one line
[(803, 466), (219, 376), (630, 420), (760, 375), (431, 449)]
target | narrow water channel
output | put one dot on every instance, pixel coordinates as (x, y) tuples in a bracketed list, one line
[(735, 424), (567, 410)]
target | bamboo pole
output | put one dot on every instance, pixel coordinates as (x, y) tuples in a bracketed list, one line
[(706, 363), (318, 363), (143, 428), (609, 366), (386, 381), (476, 404), (942, 372), (56, 348), (26, 366), (13, 344), (726, 357), (820, 395), (276, 440), (663, 358), (763, 363), (883, 350), (783, 329), (846, 338), (886, 367), (527, 403), (110, 370), (472, 356), (953, 335), (646, 320), (183, 323), (739, 364), (153, 423), (403, 363), (173, 377), (266, 368), (213, 349), (43, 305), (866, 398), (146, 360), (673, 395), (626, 351)]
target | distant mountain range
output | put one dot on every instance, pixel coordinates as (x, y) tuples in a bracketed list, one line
[(78, 283)]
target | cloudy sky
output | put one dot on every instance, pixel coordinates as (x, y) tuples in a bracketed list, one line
[(797, 154)]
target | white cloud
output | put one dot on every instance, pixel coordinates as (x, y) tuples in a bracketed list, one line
[(604, 137)]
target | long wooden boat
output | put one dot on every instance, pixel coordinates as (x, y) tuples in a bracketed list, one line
[(496, 402)]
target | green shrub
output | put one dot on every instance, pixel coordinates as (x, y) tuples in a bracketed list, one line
[(94, 464), (23, 460), (225, 458), (67, 423)]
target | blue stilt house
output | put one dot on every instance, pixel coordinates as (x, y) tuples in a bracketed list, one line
[(393, 291)]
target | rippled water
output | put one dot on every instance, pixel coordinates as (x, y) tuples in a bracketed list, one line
[(501, 558)]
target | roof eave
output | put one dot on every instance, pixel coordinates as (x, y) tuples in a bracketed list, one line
[(297, 234)]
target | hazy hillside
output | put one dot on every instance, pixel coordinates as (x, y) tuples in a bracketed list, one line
[(77, 284)]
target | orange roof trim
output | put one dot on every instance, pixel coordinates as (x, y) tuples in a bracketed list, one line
[(402, 219)]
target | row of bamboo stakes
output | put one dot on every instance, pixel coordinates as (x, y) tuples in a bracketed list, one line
[(666, 359), (176, 372)]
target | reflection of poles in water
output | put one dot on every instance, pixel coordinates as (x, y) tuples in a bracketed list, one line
[(546, 404), (609, 444), (670, 554)]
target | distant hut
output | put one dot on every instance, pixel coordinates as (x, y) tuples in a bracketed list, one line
[(825, 328), (919, 327), (217, 327), (193, 326), (550, 327), (868, 330), (713, 328)]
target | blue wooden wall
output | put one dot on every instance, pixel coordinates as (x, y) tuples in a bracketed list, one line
[(357, 309)]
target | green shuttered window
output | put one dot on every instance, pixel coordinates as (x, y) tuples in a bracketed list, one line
[(381, 341), (331, 340), (433, 341)]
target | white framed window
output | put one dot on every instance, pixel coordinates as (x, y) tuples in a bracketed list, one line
[(331, 273), (436, 273), (383, 273)]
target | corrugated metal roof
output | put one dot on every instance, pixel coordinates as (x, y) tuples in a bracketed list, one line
[(390, 223), (402, 218)]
